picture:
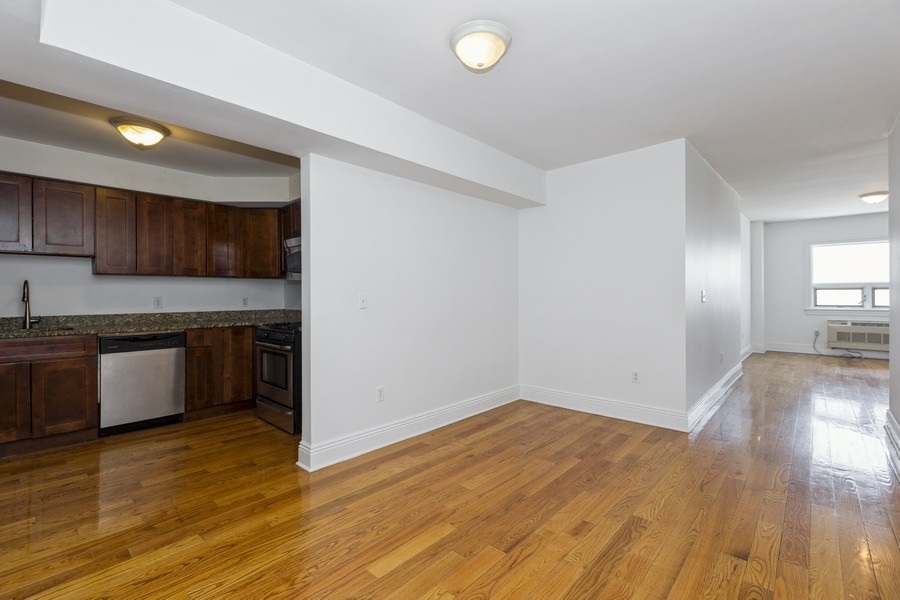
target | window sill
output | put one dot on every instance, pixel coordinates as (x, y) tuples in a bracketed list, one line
[(849, 312)]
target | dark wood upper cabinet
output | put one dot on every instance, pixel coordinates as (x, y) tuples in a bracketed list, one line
[(15, 213), (262, 255), (190, 237), (155, 235), (115, 233), (223, 240), (63, 218), (290, 220)]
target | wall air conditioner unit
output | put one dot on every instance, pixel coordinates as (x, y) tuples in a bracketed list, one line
[(859, 335)]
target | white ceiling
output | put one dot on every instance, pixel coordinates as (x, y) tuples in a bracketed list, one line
[(790, 102)]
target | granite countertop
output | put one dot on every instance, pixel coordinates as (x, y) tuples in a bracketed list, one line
[(11, 327)]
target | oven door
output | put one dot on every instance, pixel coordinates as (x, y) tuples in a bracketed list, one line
[(275, 373)]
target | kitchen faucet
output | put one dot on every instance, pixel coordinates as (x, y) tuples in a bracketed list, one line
[(29, 320)]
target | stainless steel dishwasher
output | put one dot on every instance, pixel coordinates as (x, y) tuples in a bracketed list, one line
[(141, 381)]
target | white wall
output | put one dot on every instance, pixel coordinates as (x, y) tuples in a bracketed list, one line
[(746, 287), (65, 286), (757, 286), (440, 330), (602, 287), (893, 416), (788, 328), (712, 265)]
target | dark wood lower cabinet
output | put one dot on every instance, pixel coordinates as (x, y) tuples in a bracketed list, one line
[(203, 369), (218, 367), (15, 402), (63, 396), (237, 364), (48, 389)]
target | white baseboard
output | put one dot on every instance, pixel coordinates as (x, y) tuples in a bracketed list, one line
[(713, 395), (893, 445), (616, 409), (312, 457), (746, 351), (823, 349), (758, 348)]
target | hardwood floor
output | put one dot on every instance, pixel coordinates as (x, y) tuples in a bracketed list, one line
[(785, 492)]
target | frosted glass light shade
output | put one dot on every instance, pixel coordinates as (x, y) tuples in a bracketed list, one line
[(140, 132), (480, 44), (874, 197)]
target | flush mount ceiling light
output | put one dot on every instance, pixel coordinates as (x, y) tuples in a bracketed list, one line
[(140, 132), (874, 197), (480, 44)]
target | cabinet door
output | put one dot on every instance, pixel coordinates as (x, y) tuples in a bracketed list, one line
[(262, 243), (290, 220), (63, 396), (63, 218), (190, 237), (237, 363), (15, 401), (203, 369), (155, 235), (115, 233), (223, 240), (15, 213)]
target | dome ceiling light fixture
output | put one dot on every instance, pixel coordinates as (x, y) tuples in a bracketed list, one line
[(874, 197), (140, 133), (480, 44)]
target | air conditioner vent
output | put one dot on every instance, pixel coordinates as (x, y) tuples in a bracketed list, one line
[(859, 335)]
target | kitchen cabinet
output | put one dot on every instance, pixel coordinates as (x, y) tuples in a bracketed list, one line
[(262, 254), (155, 224), (189, 256), (62, 218), (203, 369), (48, 386), (223, 240), (63, 396), (15, 402), (237, 364), (218, 367), (290, 220), (15, 213), (114, 230)]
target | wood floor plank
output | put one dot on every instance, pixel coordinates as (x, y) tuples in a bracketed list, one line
[(784, 491)]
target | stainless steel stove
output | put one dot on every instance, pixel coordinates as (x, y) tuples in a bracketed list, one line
[(278, 375)]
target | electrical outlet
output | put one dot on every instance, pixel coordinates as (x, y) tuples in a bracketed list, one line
[(816, 333), (363, 302), (245, 301), (635, 377), (721, 357), (157, 302), (379, 394)]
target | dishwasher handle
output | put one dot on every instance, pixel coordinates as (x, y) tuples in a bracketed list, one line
[(142, 342)]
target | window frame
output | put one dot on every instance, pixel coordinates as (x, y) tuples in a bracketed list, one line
[(868, 306)]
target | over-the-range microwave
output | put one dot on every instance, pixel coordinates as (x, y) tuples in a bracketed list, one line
[(292, 247)]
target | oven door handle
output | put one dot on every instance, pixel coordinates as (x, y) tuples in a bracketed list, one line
[(274, 346)]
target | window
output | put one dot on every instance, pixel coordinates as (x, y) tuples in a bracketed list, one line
[(852, 275)]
